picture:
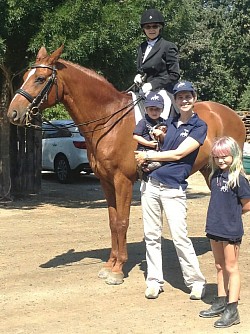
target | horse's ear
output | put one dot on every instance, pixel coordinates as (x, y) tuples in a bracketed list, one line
[(55, 55), (41, 54)]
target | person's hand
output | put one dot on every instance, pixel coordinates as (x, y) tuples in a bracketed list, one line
[(140, 157), (163, 128), (157, 132), (146, 87), (153, 144), (138, 79)]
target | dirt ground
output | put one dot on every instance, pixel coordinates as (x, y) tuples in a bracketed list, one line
[(53, 245)]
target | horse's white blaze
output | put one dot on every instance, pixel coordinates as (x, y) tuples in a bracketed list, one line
[(31, 72)]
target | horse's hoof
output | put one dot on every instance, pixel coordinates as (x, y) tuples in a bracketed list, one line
[(104, 273), (114, 278)]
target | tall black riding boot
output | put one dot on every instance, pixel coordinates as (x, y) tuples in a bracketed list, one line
[(229, 317), (218, 306)]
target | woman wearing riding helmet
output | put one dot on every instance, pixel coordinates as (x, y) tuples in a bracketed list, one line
[(157, 60)]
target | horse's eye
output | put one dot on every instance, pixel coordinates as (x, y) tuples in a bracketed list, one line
[(40, 79)]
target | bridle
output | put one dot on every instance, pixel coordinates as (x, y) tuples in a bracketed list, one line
[(33, 108)]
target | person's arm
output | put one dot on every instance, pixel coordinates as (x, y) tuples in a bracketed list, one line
[(245, 202), (185, 148), (171, 74), (145, 142)]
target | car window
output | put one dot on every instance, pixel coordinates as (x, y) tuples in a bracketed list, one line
[(75, 130), (51, 132)]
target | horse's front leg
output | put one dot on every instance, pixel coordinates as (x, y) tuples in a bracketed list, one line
[(119, 200)]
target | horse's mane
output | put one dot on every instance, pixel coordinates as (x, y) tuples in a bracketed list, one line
[(89, 72)]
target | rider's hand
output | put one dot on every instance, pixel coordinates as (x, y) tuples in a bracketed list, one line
[(138, 79), (146, 87)]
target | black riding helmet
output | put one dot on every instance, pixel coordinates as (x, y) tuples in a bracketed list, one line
[(152, 16)]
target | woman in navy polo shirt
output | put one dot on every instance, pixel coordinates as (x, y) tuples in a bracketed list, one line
[(230, 197), (165, 190)]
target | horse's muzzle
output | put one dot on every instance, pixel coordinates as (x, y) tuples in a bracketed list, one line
[(15, 118)]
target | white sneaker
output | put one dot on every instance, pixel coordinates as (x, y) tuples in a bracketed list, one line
[(152, 292), (198, 291)]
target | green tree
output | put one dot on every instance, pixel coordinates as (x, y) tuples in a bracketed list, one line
[(102, 35), (215, 54), (18, 24), (244, 103)]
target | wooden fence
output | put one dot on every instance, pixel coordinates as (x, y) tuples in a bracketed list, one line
[(245, 116), (25, 157)]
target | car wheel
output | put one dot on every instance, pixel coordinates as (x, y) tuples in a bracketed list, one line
[(62, 169)]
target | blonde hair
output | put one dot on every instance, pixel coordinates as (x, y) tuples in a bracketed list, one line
[(225, 146)]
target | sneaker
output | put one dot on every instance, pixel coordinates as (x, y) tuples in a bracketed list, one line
[(198, 291), (153, 292)]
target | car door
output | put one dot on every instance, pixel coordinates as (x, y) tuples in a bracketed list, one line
[(53, 143), (47, 145)]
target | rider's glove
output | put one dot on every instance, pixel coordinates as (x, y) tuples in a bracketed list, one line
[(138, 79), (146, 87)]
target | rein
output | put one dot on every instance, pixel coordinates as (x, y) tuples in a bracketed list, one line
[(130, 106)]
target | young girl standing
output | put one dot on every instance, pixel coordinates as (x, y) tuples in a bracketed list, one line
[(230, 198)]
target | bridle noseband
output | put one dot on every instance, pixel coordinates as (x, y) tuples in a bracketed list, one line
[(35, 102)]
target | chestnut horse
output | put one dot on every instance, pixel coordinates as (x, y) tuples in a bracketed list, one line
[(107, 120)]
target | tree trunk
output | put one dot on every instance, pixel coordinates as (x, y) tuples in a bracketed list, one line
[(5, 182), (20, 152)]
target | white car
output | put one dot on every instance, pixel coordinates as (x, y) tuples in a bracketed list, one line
[(64, 150)]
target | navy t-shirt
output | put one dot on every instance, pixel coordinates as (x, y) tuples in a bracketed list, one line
[(143, 128), (224, 216), (175, 173)]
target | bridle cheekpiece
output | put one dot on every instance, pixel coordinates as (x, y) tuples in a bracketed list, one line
[(35, 102)]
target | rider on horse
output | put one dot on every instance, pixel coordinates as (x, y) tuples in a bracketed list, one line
[(157, 60)]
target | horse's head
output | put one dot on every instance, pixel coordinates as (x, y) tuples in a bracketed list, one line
[(39, 90)]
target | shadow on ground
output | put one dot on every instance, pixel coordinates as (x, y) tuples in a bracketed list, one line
[(85, 192), (136, 257)]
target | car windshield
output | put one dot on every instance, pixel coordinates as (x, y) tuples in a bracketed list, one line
[(58, 130)]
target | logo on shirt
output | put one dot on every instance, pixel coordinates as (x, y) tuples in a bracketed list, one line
[(224, 187), (184, 133)]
